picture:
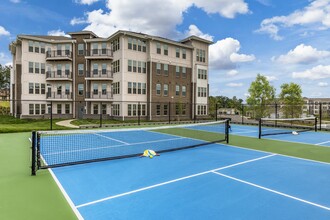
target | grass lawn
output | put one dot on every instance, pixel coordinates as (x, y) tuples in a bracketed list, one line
[(12, 124)]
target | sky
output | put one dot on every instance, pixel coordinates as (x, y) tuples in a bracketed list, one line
[(284, 40)]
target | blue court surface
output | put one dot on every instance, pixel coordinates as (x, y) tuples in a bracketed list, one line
[(215, 181)]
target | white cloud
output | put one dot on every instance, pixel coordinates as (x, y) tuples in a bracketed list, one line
[(323, 84), (271, 78), (86, 2), (316, 14), (193, 30), (224, 54), (232, 73), (234, 84), (57, 32), (155, 17), (302, 54), (318, 72), (75, 21), (4, 59), (3, 31)]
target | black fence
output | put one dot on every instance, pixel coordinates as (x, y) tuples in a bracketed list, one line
[(102, 112)]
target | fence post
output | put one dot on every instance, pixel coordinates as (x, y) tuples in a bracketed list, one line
[(169, 112), (194, 112), (51, 115), (259, 128), (276, 114), (216, 111), (320, 110), (139, 113), (34, 152), (100, 114), (242, 114)]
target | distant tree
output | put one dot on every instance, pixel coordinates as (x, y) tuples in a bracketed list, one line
[(291, 100), (261, 94), (4, 77)]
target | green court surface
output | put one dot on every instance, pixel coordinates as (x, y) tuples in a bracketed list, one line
[(37, 197)]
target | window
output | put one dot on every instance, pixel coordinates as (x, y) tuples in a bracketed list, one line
[(184, 91), (67, 49), (139, 88), (30, 67), (165, 49), (104, 48), (158, 68), (134, 110), (43, 109), (80, 69), (67, 69), (139, 67), (116, 88), (197, 55), (30, 88), (129, 66), (59, 49), (157, 109), (134, 87), (43, 67), (184, 72), (59, 69), (31, 109), (104, 109), (67, 89), (37, 88), (134, 44), (143, 111), (177, 90), (37, 67), (36, 47), (116, 66), (130, 43), (183, 109), (104, 89), (95, 68), (81, 49), (139, 45), (37, 109), (115, 109), (104, 68), (80, 89), (67, 108), (184, 54), (165, 109), (158, 50), (129, 91), (144, 88), (177, 109), (134, 66), (31, 47), (95, 109), (42, 47), (202, 74), (177, 71), (95, 88), (158, 88), (59, 89), (115, 44), (165, 90), (43, 88), (129, 109), (95, 48), (177, 52), (144, 67), (165, 69), (59, 108), (144, 46)]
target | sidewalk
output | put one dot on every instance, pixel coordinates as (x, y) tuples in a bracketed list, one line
[(67, 123)]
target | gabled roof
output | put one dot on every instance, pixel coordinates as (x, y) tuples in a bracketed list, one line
[(193, 37)]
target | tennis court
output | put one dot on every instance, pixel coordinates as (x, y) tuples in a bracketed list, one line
[(211, 181)]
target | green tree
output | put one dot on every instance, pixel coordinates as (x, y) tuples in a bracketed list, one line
[(291, 100), (262, 94), (4, 77)]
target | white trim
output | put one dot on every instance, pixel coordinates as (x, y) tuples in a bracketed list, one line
[(322, 143), (171, 181), (273, 191), (113, 139), (287, 119)]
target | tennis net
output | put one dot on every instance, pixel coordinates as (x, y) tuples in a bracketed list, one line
[(62, 148), (276, 126)]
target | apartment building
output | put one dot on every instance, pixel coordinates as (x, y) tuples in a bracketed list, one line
[(315, 106), (83, 76)]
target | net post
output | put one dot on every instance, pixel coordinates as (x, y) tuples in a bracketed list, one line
[(139, 113), (259, 136), (34, 154), (315, 124), (216, 111), (101, 115), (169, 112), (227, 131)]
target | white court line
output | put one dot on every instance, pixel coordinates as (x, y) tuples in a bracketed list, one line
[(243, 132), (123, 142), (172, 181), (112, 146), (273, 191), (325, 142)]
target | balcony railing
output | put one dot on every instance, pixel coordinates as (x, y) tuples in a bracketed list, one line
[(99, 74), (99, 53), (59, 54), (99, 95), (59, 74), (57, 95)]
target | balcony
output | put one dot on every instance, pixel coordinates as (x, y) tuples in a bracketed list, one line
[(99, 54), (59, 75), (59, 55), (99, 75), (99, 96), (56, 96)]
